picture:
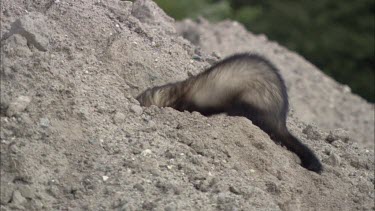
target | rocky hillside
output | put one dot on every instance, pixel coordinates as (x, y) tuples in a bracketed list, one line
[(74, 138)]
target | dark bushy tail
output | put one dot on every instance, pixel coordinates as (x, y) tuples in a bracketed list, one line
[(309, 160)]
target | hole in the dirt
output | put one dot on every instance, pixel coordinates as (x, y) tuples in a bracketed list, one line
[(21, 180), (73, 192), (2, 113), (3, 109)]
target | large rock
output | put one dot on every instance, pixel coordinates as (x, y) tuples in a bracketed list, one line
[(34, 28)]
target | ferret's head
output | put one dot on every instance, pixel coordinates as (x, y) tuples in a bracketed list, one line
[(159, 96), (146, 98)]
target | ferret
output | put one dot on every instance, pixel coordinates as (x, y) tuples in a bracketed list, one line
[(245, 85)]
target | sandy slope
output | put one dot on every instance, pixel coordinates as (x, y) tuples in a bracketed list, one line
[(74, 138)]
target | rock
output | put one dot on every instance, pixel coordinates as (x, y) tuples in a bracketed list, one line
[(122, 10), (271, 187), (16, 46), (136, 109), (166, 186), (358, 163), (119, 118), (44, 122), (139, 187), (34, 28), (216, 55), (311, 132), (4, 208), (105, 178), (26, 191), (226, 202), (211, 60), (338, 134), (215, 135), (148, 205), (198, 51), (170, 207), (333, 160), (128, 206), (234, 190), (18, 105), (206, 184), (197, 57), (146, 152), (6, 192), (37, 204), (17, 198), (293, 204), (338, 143)]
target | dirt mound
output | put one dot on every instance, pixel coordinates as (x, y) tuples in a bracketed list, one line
[(74, 138)]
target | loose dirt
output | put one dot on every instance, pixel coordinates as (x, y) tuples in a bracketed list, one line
[(74, 138)]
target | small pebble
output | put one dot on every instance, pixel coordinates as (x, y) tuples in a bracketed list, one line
[(119, 118), (211, 60), (136, 109), (139, 187), (26, 191), (148, 205), (215, 54), (6, 192), (215, 135), (333, 160), (146, 152), (170, 208), (338, 143), (234, 190), (346, 89), (338, 134), (311, 132), (197, 58), (18, 105), (17, 198), (44, 122), (198, 51), (105, 178)]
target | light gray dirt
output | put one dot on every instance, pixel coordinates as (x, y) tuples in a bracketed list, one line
[(74, 138)]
